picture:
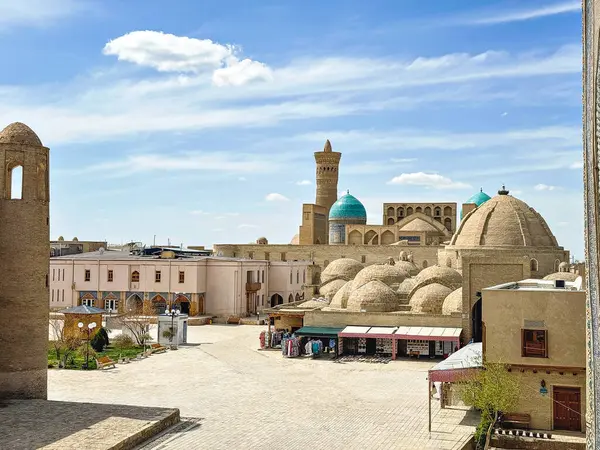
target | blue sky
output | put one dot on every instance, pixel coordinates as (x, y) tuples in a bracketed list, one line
[(183, 120)]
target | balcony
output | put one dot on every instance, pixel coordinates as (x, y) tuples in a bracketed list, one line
[(252, 287)]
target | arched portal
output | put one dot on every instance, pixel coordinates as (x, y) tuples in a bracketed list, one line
[(183, 303), (276, 299), (476, 320), (159, 304), (291, 298), (297, 298), (134, 304)]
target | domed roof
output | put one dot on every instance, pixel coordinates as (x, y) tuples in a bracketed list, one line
[(406, 287), (340, 299), (295, 240), (445, 276), (504, 221), (262, 240), (388, 274), (567, 276), (429, 299), (453, 303), (347, 207), (343, 269), (375, 296), (331, 288), (19, 133), (479, 199), (563, 267), (317, 303)]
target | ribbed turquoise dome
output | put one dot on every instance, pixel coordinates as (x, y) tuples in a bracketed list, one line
[(347, 207), (479, 199)]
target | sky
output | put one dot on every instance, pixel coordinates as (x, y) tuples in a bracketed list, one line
[(196, 122)]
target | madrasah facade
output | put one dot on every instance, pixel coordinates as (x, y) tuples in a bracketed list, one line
[(497, 240)]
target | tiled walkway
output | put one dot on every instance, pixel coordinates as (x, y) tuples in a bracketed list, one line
[(246, 399)]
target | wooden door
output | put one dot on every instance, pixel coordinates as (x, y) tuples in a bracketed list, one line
[(567, 408)]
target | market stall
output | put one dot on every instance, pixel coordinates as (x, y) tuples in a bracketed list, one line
[(367, 340), (327, 336), (426, 341)]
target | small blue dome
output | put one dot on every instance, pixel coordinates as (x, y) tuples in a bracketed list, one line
[(479, 199), (347, 207)]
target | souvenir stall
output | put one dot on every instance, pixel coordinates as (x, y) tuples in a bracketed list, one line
[(290, 346), (328, 338), (368, 341), (431, 342)]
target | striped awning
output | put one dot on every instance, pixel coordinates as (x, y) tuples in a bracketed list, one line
[(354, 331), (428, 333)]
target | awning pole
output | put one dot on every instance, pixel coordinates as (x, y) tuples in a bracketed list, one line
[(429, 400)]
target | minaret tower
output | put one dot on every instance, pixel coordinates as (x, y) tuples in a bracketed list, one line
[(24, 258), (328, 163)]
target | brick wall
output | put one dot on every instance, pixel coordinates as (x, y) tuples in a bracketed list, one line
[(343, 318)]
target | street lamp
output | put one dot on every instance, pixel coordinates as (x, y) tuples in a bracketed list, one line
[(173, 313), (87, 330)]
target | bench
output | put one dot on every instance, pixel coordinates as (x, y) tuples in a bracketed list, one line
[(157, 348), (518, 420), (104, 362)]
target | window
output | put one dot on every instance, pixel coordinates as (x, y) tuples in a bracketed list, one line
[(110, 276), (157, 276), (283, 256), (87, 301), (135, 276), (52, 294), (250, 255), (267, 256), (304, 277), (88, 275), (533, 265), (534, 343), (47, 284), (291, 280), (15, 183), (363, 259), (181, 276), (63, 295), (297, 276), (54, 270), (63, 274), (262, 276)]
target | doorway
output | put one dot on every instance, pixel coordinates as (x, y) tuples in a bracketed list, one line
[(476, 322), (371, 346), (567, 408)]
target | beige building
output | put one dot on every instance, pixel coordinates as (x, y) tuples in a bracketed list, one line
[(199, 285), (24, 237), (60, 247), (537, 327)]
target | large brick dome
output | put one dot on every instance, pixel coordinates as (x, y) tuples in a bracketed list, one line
[(504, 221), (19, 133)]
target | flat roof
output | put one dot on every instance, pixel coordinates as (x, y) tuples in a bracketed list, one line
[(117, 255), (382, 330), (354, 330), (459, 364), (532, 284), (428, 333)]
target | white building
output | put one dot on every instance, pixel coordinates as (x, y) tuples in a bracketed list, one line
[(199, 285)]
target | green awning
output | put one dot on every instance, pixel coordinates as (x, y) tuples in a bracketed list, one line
[(327, 332)]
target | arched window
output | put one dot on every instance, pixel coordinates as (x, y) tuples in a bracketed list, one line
[(533, 265), (424, 265), (135, 276), (400, 212), (557, 265), (448, 223), (418, 209), (297, 277), (409, 211), (291, 280), (15, 183), (447, 211), (428, 211), (390, 221), (437, 212), (390, 211), (325, 263)]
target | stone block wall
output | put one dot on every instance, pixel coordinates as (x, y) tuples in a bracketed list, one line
[(344, 318)]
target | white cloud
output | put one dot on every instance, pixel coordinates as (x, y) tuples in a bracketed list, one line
[(238, 73), (169, 53), (275, 197), (241, 178), (526, 14), (246, 225), (576, 165), (38, 12), (545, 187), (428, 180), (199, 212), (504, 114), (304, 183)]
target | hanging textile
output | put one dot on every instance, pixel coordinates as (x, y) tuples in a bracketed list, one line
[(262, 339), (290, 347)]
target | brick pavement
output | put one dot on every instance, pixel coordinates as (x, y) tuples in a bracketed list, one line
[(246, 399)]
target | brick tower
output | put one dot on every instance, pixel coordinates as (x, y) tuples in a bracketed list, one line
[(24, 259), (328, 163)]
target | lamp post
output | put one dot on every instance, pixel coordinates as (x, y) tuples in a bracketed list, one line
[(87, 330), (173, 313)]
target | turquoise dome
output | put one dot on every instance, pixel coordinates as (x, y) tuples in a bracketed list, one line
[(347, 207), (479, 199)]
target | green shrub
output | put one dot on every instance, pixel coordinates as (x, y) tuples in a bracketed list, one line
[(98, 342), (122, 341), (481, 431)]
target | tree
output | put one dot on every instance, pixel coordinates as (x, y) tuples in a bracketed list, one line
[(492, 390), (137, 324), (64, 344)]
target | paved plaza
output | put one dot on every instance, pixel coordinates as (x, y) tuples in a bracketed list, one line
[(238, 397)]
